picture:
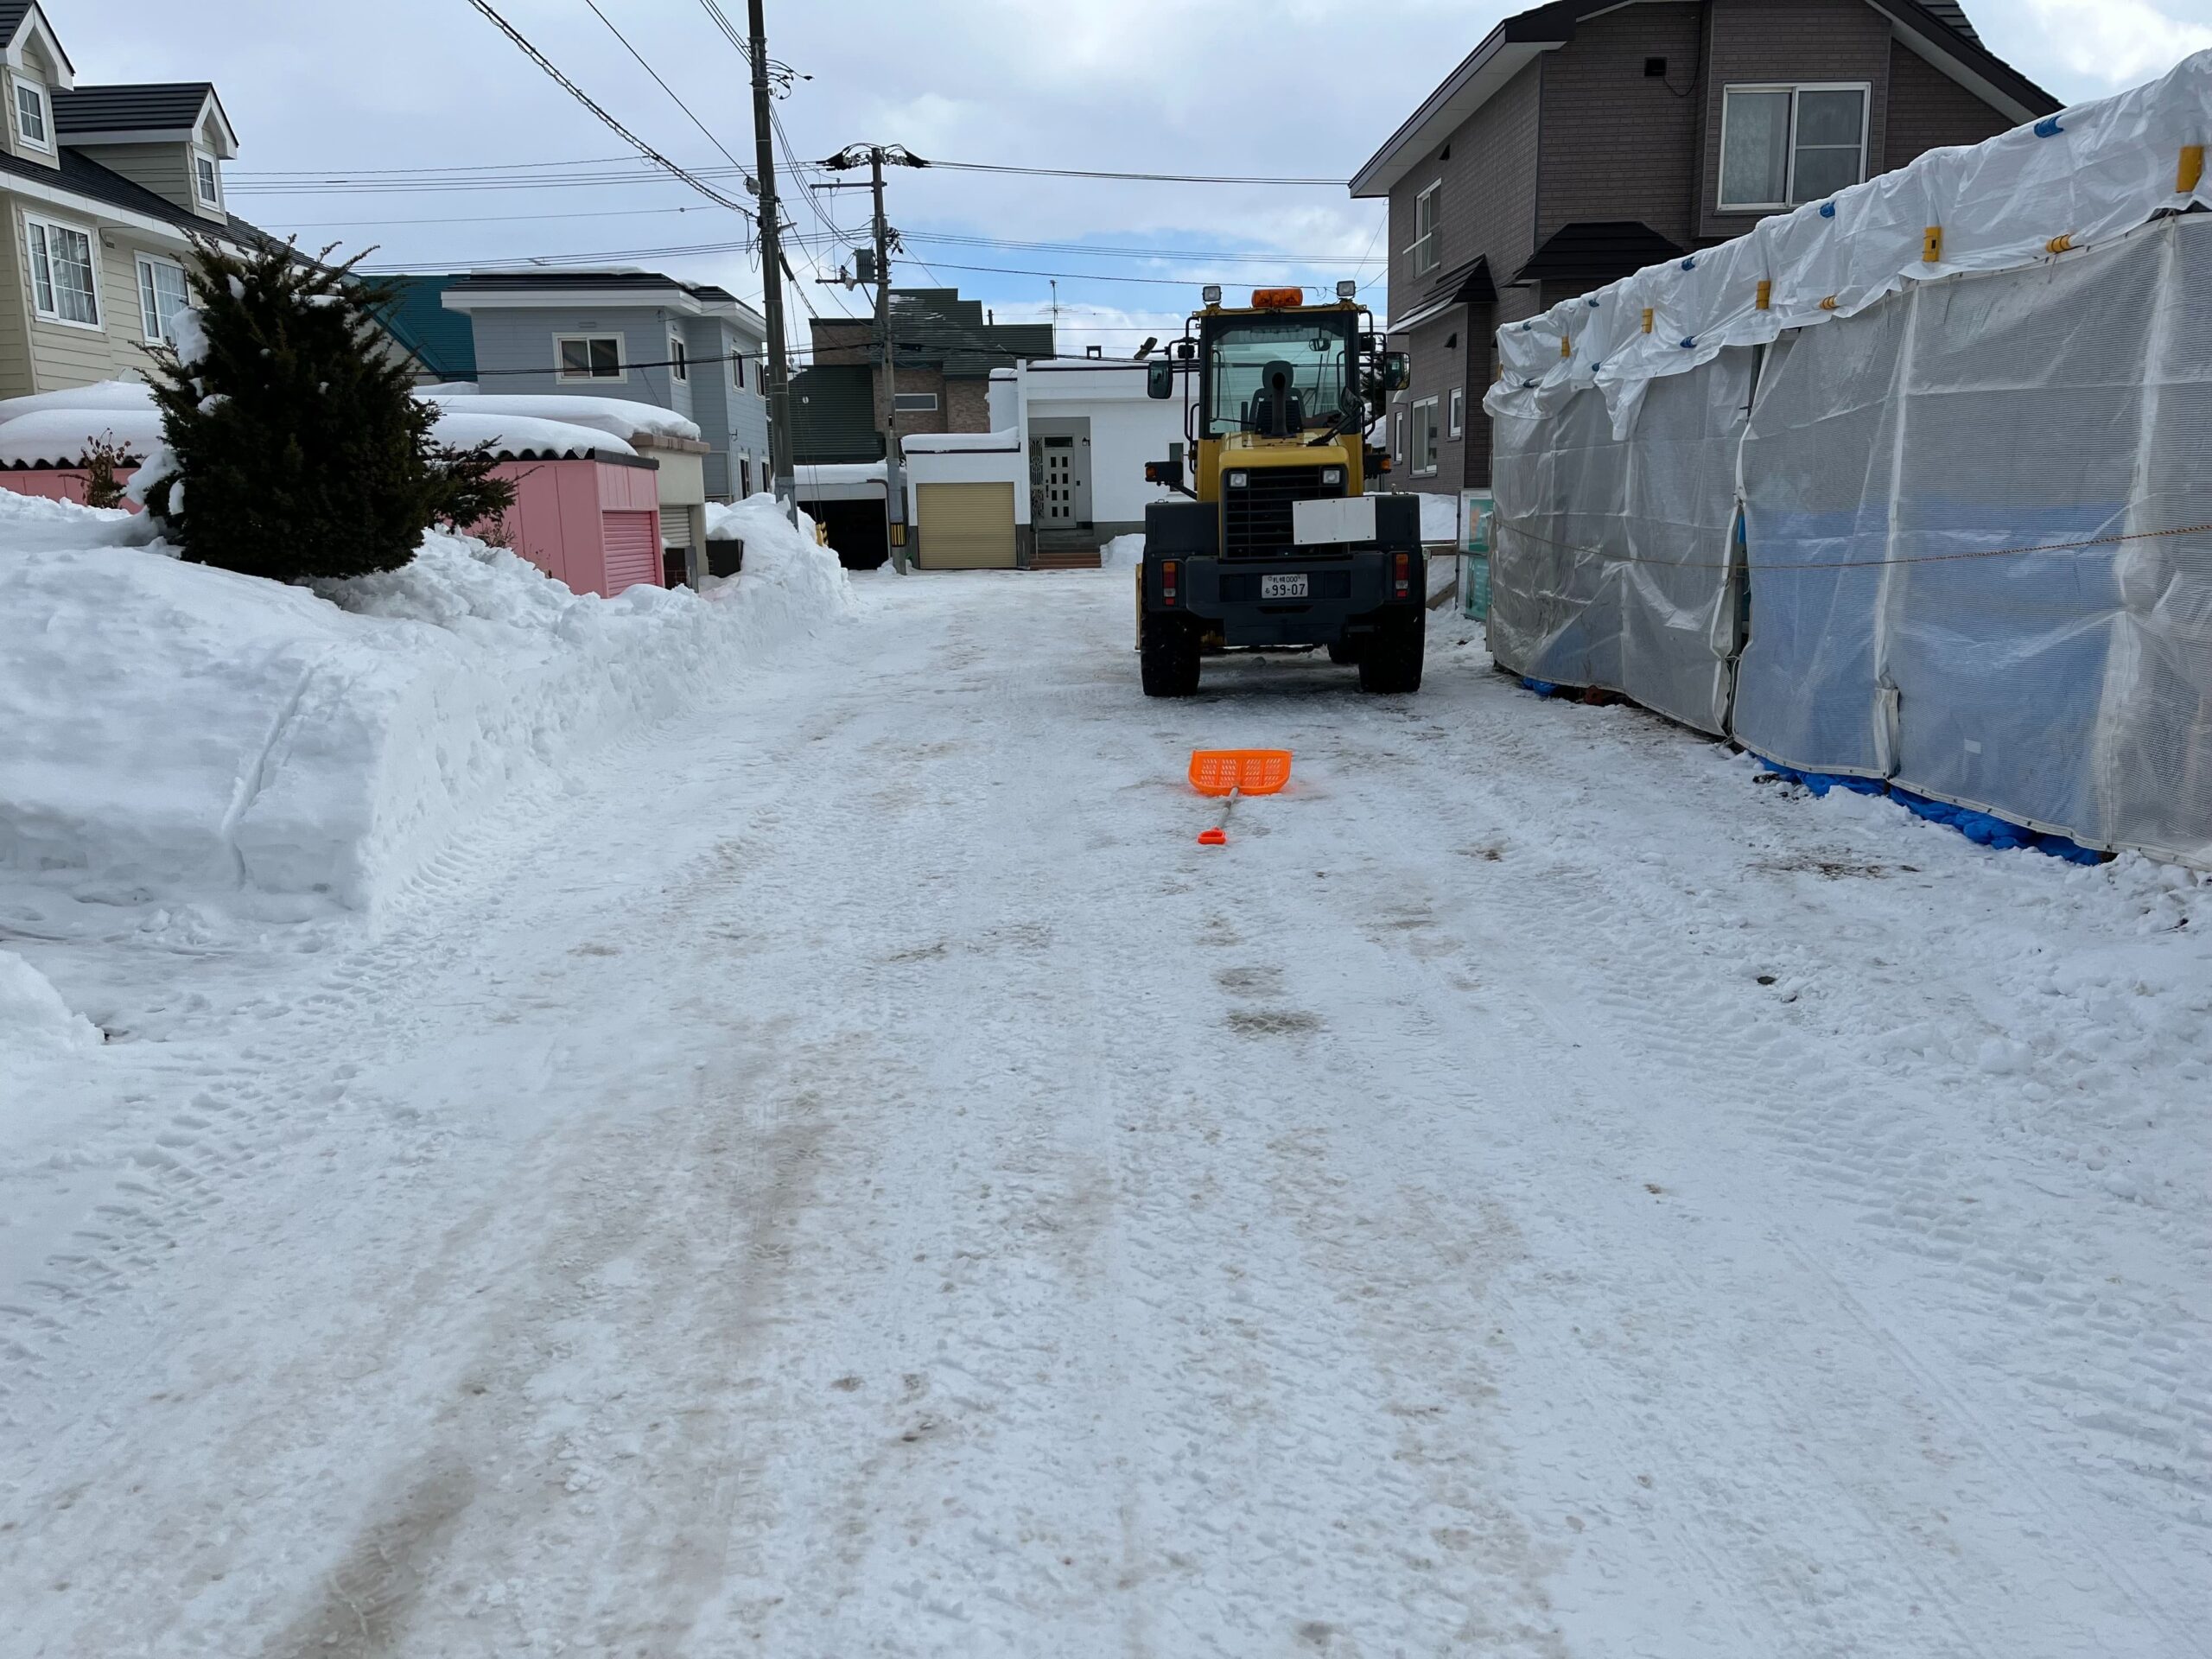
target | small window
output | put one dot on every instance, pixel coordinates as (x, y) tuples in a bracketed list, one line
[(1425, 255), (1455, 414), (737, 369), (744, 477), (915, 403), (591, 356), (679, 367), (1781, 146), (65, 288), (162, 297), (1424, 458), (205, 176), (1398, 437), (30, 114)]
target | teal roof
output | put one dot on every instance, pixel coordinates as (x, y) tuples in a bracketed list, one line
[(444, 341)]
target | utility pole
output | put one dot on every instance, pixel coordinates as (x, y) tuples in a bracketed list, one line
[(772, 272), (887, 348)]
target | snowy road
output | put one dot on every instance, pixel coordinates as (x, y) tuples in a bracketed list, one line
[(852, 1178)]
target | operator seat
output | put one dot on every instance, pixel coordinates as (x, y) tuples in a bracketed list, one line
[(1278, 391)]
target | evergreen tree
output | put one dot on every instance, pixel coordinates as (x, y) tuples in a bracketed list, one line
[(298, 448)]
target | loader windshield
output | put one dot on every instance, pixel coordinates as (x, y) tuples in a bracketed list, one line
[(1279, 376)]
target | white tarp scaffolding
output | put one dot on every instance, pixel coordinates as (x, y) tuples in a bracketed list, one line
[(1961, 500)]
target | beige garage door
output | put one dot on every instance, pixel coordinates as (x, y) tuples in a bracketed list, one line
[(966, 526)]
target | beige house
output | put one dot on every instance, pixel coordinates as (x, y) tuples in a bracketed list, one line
[(101, 185)]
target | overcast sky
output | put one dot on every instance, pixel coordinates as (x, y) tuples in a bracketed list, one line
[(1288, 88)]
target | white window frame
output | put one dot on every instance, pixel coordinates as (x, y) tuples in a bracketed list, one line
[(737, 368), (1414, 460), (1422, 249), (200, 153), (679, 359), (25, 84), (1455, 413), (899, 405), (560, 366), (1398, 436), (93, 257), (1796, 90), (145, 266)]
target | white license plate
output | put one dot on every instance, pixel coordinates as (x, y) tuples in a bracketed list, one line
[(1282, 587)]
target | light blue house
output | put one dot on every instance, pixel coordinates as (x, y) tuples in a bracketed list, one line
[(630, 334)]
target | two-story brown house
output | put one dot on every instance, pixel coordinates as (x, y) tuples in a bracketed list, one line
[(1585, 140), (946, 347)]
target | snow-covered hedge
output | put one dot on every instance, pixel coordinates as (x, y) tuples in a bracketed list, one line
[(181, 733)]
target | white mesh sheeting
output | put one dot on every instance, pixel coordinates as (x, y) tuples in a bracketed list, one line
[(1612, 564), (1959, 510)]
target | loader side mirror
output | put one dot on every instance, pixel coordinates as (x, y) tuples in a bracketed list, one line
[(1397, 372), (1159, 378)]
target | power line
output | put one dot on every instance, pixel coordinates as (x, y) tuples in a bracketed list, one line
[(1140, 178), (585, 98), (304, 178), (663, 85)]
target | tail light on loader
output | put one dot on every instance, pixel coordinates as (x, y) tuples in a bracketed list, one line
[(1402, 573), (1169, 570)]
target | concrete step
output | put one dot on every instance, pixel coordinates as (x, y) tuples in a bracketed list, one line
[(1070, 559)]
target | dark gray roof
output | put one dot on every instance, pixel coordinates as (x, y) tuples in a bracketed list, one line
[(1951, 12), (78, 172), (936, 326), (12, 13), (159, 107), (1596, 252), (480, 282)]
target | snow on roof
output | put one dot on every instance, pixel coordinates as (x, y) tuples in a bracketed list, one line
[(103, 394), (935, 444), (515, 435), (60, 437), (617, 416)]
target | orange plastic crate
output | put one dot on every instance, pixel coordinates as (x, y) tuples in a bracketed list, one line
[(1239, 772)]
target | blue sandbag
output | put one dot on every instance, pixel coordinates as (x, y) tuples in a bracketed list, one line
[(1541, 688)]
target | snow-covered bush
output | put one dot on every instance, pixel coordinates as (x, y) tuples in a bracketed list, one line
[(295, 446)]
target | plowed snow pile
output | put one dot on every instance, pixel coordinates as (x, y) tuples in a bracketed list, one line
[(178, 734)]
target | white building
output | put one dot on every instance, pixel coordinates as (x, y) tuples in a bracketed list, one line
[(1087, 429), (1059, 474)]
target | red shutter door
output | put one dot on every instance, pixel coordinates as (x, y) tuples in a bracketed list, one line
[(632, 541)]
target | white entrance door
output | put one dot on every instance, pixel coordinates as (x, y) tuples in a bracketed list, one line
[(1059, 484)]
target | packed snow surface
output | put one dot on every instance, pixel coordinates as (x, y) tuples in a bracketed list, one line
[(1439, 517), (180, 734), (841, 1171), (1123, 553)]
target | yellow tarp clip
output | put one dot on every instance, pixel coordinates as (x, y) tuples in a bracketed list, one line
[(1931, 245), (2192, 168)]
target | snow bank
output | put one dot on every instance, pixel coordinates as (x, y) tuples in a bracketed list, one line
[(34, 1020), (1123, 553), (1440, 518), (30, 523), (515, 435), (616, 416), (183, 734), (794, 580)]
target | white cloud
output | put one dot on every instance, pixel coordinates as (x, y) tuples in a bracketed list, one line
[(2115, 43)]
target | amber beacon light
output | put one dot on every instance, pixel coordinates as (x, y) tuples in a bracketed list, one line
[(1277, 299)]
